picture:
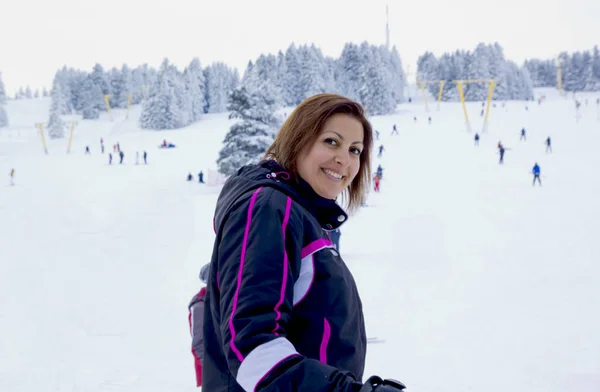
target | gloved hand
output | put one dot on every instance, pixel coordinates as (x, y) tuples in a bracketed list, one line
[(376, 384)]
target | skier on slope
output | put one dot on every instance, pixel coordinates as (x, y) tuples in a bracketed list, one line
[(381, 150), (476, 139), (379, 171), (536, 174), (264, 306), (12, 177), (523, 136), (376, 181), (548, 144)]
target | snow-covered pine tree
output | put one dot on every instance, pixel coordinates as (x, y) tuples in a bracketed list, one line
[(91, 99), (397, 73), (36, 94), (28, 93), (100, 79), (56, 126), (314, 79), (3, 115), (292, 87), (120, 83), (196, 89), (163, 109), (350, 71), (376, 93), (219, 79), (248, 139)]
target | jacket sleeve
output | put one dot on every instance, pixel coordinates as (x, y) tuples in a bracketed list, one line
[(258, 252)]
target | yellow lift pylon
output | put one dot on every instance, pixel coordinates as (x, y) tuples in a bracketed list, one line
[(459, 86), (423, 83)]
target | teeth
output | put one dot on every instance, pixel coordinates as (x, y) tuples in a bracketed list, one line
[(333, 174)]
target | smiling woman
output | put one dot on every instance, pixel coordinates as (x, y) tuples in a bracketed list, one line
[(327, 142), (283, 311)]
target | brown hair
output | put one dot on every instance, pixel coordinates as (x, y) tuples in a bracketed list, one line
[(304, 126)]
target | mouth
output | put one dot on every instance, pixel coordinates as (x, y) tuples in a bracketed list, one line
[(333, 175)]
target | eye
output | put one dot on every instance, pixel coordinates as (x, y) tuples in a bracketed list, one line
[(355, 151), (331, 141)]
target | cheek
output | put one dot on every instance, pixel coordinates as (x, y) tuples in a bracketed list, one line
[(355, 167)]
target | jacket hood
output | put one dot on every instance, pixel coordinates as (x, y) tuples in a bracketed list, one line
[(270, 174)]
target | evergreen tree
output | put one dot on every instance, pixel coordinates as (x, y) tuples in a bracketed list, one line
[(248, 139), (292, 80), (376, 91), (91, 99), (56, 126), (195, 85), (166, 107), (37, 93), (219, 81)]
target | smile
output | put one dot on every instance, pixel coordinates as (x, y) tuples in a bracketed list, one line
[(333, 175)]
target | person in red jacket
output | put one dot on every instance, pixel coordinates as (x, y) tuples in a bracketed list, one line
[(196, 321), (376, 180)]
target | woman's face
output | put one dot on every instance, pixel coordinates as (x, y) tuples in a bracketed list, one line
[(332, 162)]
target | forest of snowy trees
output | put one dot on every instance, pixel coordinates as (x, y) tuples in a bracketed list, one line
[(173, 98), (485, 62), (580, 71), (372, 75)]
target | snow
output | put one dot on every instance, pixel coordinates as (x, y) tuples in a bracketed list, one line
[(475, 279)]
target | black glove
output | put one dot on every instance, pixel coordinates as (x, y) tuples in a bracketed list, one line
[(376, 384)]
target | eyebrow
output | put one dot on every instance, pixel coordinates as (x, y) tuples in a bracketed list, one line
[(341, 137)]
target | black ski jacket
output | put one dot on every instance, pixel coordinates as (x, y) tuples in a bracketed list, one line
[(282, 309)]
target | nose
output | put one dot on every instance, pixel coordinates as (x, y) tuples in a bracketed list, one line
[(342, 158)]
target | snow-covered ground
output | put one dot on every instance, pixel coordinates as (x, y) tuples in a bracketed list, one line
[(476, 280)]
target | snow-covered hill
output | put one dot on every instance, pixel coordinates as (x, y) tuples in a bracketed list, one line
[(476, 280)]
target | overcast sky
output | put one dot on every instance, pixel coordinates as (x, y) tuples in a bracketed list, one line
[(39, 36)]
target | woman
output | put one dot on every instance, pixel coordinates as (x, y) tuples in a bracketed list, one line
[(283, 312)]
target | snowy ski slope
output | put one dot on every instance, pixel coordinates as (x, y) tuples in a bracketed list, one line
[(476, 280)]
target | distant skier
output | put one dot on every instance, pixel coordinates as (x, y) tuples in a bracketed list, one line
[(501, 152), (482, 111), (523, 136), (87, 150), (121, 155), (118, 147), (137, 157), (145, 158), (395, 130), (379, 171), (429, 119), (12, 177), (201, 177), (536, 174), (376, 135), (415, 119), (114, 148), (110, 158), (548, 144), (335, 238), (102, 145), (376, 181), (381, 150), (190, 177), (476, 139)]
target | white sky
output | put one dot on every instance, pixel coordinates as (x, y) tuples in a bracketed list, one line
[(37, 36)]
